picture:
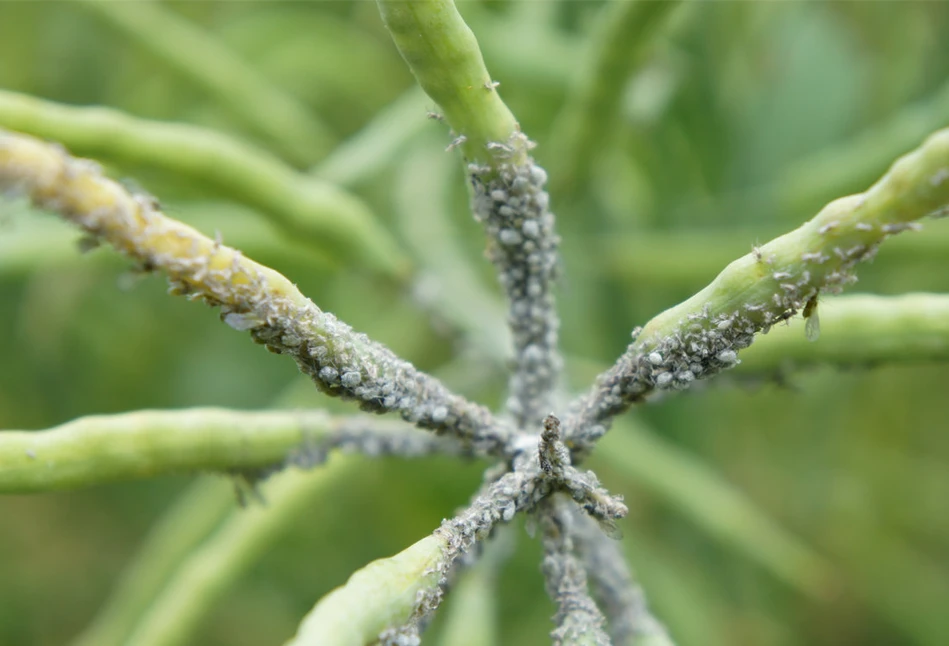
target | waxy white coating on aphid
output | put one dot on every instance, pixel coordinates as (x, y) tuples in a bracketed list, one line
[(510, 202)]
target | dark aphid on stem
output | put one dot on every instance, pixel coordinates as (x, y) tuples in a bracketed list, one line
[(812, 327)]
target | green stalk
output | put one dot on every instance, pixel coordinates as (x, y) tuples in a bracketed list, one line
[(105, 448), (381, 595), (332, 221), (859, 330), (444, 55), (252, 297), (703, 335)]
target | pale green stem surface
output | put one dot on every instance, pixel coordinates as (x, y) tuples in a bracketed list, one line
[(621, 41), (695, 490), (331, 220), (381, 595), (204, 577), (859, 330), (238, 88), (656, 259), (175, 535), (444, 55), (104, 448), (701, 336), (914, 187), (472, 613)]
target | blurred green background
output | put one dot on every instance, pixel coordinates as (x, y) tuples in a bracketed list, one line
[(739, 123)]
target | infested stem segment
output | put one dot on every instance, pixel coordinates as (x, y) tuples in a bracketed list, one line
[(251, 296), (622, 600), (578, 619), (540, 470), (508, 195), (103, 448), (512, 205), (703, 335)]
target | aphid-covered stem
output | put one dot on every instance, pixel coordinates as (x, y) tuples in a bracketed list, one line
[(251, 296), (702, 336), (512, 205), (621, 599), (579, 621), (507, 187)]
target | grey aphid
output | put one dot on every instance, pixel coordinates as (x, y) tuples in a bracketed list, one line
[(328, 374), (242, 322), (510, 237), (530, 228), (351, 379)]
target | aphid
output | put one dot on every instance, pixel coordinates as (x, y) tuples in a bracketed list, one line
[(490, 85), (609, 527), (457, 141), (812, 327), (88, 243), (242, 321)]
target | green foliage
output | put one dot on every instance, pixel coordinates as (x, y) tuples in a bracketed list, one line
[(738, 124)]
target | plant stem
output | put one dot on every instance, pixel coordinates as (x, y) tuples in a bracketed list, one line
[(334, 222), (444, 55), (252, 297), (702, 336), (379, 596), (859, 330), (105, 448), (508, 197), (579, 620)]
